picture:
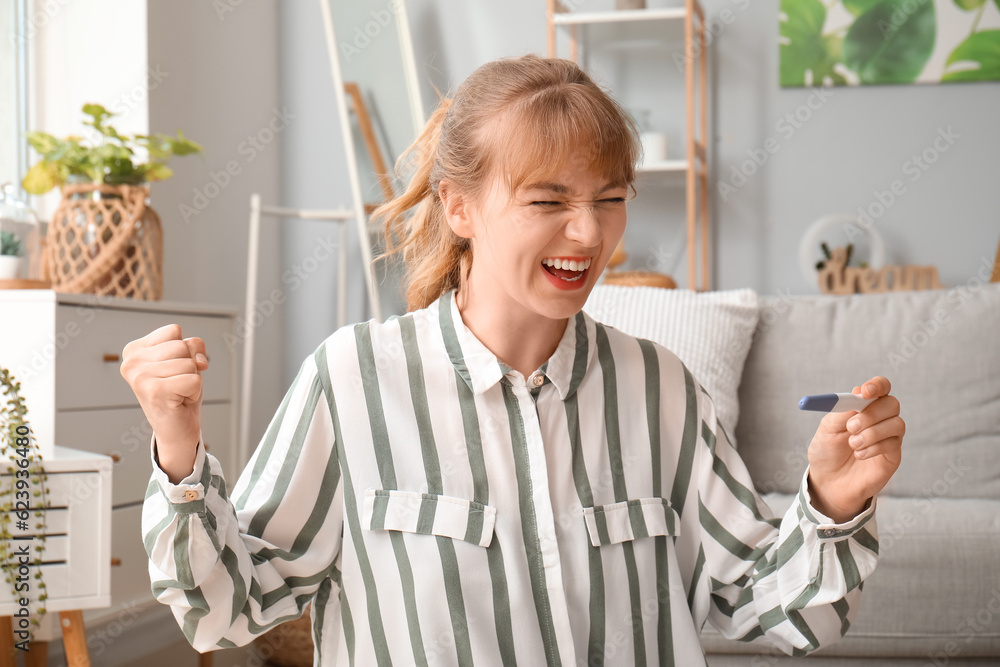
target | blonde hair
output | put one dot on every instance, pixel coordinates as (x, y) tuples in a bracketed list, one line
[(519, 117)]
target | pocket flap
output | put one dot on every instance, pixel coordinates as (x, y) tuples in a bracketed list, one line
[(429, 514), (630, 519)]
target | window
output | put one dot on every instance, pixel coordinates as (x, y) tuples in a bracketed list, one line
[(14, 40)]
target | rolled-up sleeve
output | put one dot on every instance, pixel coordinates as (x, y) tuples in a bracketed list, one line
[(793, 582), (233, 565)]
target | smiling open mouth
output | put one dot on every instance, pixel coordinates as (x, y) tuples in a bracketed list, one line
[(567, 270)]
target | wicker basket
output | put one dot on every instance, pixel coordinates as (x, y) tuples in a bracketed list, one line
[(105, 240), (639, 279), (289, 644)]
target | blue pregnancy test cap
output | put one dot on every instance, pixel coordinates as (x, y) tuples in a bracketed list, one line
[(820, 402)]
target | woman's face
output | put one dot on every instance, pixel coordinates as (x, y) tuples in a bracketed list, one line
[(543, 247)]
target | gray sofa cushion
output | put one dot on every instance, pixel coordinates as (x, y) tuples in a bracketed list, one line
[(941, 351), (935, 592)]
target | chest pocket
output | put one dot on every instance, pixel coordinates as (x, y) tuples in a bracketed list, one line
[(630, 519), (429, 514)]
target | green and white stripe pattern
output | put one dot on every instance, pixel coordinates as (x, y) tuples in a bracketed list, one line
[(440, 509)]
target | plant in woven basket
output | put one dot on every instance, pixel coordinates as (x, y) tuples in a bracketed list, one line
[(113, 161), (104, 238), (22, 492)]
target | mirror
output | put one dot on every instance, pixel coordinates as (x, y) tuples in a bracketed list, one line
[(381, 114)]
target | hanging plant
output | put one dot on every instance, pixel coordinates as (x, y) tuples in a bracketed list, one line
[(22, 492)]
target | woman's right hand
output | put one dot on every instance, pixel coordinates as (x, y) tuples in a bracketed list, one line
[(164, 371)]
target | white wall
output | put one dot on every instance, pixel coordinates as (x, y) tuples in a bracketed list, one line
[(87, 51), (213, 74), (219, 84)]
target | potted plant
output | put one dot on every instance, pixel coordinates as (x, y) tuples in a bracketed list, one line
[(10, 255), (22, 492), (113, 161), (104, 238)]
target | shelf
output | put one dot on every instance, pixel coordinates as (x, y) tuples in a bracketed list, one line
[(577, 18), (644, 33), (664, 165)]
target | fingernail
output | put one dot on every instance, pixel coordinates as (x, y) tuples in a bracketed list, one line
[(855, 440), (870, 388), (201, 357), (853, 423)]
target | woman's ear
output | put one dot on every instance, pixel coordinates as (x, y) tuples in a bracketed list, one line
[(457, 210)]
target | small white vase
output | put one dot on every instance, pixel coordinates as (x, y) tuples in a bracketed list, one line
[(10, 267), (654, 147)]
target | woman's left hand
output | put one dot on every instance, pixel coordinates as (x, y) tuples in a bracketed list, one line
[(853, 454)]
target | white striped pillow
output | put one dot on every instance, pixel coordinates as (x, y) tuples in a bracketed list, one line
[(710, 332)]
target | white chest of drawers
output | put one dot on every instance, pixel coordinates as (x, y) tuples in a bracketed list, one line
[(65, 350)]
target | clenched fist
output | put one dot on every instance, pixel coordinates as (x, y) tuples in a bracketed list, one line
[(164, 371)]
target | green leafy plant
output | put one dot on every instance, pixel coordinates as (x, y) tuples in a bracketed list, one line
[(886, 41), (22, 491), (10, 244), (113, 161)]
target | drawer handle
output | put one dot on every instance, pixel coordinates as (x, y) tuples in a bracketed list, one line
[(115, 458), (116, 562), (112, 357), (206, 446)]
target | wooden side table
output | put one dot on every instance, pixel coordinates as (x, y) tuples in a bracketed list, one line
[(76, 563)]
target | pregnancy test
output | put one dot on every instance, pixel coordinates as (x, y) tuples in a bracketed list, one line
[(834, 402)]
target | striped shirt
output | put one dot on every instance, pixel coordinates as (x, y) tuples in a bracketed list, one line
[(438, 508)]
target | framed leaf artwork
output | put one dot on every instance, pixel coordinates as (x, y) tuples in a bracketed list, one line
[(864, 42)]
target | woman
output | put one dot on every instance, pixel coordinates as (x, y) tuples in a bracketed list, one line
[(496, 478)]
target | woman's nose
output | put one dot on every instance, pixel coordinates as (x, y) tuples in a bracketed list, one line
[(583, 225)]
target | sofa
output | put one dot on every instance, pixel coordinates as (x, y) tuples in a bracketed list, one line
[(934, 598)]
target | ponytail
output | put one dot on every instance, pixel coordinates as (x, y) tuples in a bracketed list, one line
[(434, 256)]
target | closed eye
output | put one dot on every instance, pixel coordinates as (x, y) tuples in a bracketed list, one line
[(544, 204), (613, 200)]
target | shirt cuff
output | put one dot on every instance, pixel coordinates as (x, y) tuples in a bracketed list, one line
[(827, 528), (189, 493)]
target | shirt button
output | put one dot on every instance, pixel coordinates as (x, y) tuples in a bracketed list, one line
[(191, 494), (538, 380), (829, 532)]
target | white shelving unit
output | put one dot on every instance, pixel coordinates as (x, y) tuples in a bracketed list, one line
[(695, 166)]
